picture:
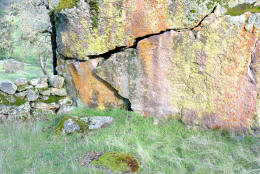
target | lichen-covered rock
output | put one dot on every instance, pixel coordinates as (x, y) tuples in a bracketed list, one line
[(91, 91), (56, 81), (73, 124), (59, 92), (96, 122), (70, 124), (189, 59), (32, 95), (192, 75), (8, 87), (94, 27)]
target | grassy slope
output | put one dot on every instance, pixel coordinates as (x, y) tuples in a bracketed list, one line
[(165, 148)]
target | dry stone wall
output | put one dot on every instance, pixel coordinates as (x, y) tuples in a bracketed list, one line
[(36, 97), (195, 60)]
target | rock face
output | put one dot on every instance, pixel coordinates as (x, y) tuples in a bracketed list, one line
[(193, 60)]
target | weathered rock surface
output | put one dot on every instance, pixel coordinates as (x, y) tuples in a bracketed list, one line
[(59, 92), (12, 66), (21, 82), (56, 81), (8, 87), (32, 95), (73, 124), (83, 83), (197, 59)]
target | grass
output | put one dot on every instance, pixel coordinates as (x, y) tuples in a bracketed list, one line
[(168, 147), (29, 72)]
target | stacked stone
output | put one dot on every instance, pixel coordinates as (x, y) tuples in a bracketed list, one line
[(36, 97)]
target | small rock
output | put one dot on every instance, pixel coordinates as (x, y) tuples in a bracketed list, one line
[(21, 82), (65, 109), (56, 81), (24, 88), (42, 112), (44, 98), (66, 101), (96, 122), (59, 92), (69, 126), (38, 81), (32, 96), (8, 87), (41, 85), (21, 94), (46, 92), (45, 106)]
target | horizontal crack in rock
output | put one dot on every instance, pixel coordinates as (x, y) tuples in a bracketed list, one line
[(137, 40)]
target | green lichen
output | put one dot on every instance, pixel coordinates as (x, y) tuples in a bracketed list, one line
[(6, 100), (118, 162), (243, 8), (94, 11), (84, 127), (63, 4)]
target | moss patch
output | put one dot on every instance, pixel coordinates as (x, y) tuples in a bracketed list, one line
[(63, 4), (84, 127), (52, 99), (94, 11), (243, 8), (6, 100), (115, 161)]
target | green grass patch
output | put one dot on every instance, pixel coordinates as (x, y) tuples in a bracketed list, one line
[(168, 147)]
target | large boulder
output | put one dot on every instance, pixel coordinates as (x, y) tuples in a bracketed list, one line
[(12, 66), (192, 60)]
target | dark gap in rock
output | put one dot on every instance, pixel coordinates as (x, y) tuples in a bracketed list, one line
[(127, 102), (109, 53), (53, 42), (251, 68)]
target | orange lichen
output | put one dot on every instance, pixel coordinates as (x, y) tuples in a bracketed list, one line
[(145, 17), (91, 91)]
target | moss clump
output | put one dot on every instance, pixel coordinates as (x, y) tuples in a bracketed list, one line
[(84, 127), (118, 162), (63, 4), (11, 100), (52, 99), (243, 8), (94, 11)]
